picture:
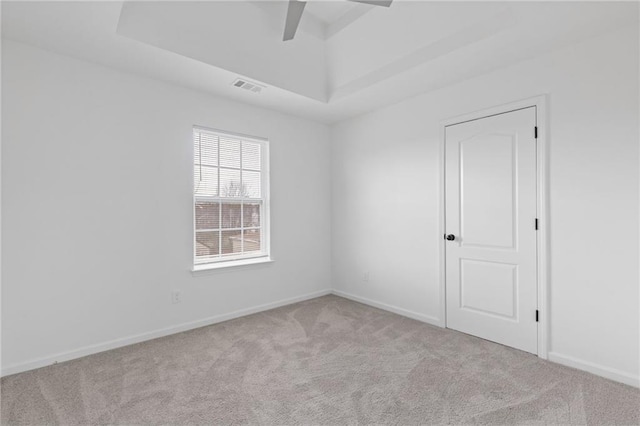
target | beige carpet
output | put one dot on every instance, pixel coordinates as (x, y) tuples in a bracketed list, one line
[(324, 361)]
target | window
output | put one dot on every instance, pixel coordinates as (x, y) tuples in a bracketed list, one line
[(231, 206)]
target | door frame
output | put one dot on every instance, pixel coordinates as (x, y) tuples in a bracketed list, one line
[(542, 207)]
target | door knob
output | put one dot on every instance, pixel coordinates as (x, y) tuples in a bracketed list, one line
[(450, 237)]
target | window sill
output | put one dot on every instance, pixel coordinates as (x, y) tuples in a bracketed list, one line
[(229, 264)]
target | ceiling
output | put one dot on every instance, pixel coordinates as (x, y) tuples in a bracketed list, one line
[(330, 12), (347, 58)]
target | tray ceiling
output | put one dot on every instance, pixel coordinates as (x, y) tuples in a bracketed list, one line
[(348, 58)]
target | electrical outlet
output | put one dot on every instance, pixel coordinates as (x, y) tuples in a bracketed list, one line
[(365, 277), (176, 296)]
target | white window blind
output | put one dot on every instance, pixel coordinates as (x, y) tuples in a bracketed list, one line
[(230, 189)]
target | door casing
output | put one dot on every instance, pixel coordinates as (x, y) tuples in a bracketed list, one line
[(540, 102)]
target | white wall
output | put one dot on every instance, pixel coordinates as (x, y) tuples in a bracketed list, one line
[(97, 208), (386, 193), (96, 169)]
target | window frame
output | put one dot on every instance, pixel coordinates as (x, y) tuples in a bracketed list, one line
[(220, 261)]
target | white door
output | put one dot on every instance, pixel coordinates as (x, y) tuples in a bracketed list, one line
[(490, 222)]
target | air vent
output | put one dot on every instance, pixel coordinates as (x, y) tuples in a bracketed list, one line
[(248, 85)]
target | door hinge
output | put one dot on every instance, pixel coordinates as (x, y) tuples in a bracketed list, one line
[(535, 132), (537, 315), (536, 224)]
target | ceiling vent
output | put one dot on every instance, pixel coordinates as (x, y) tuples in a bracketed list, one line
[(248, 85)]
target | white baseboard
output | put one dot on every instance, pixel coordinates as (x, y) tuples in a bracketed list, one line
[(117, 343), (396, 310), (598, 370)]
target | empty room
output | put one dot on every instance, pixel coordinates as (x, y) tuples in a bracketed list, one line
[(320, 213)]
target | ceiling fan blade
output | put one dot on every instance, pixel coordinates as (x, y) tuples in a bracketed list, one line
[(294, 13), (383, 3)]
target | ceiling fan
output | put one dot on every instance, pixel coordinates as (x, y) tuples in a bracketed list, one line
[(294, 13)]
